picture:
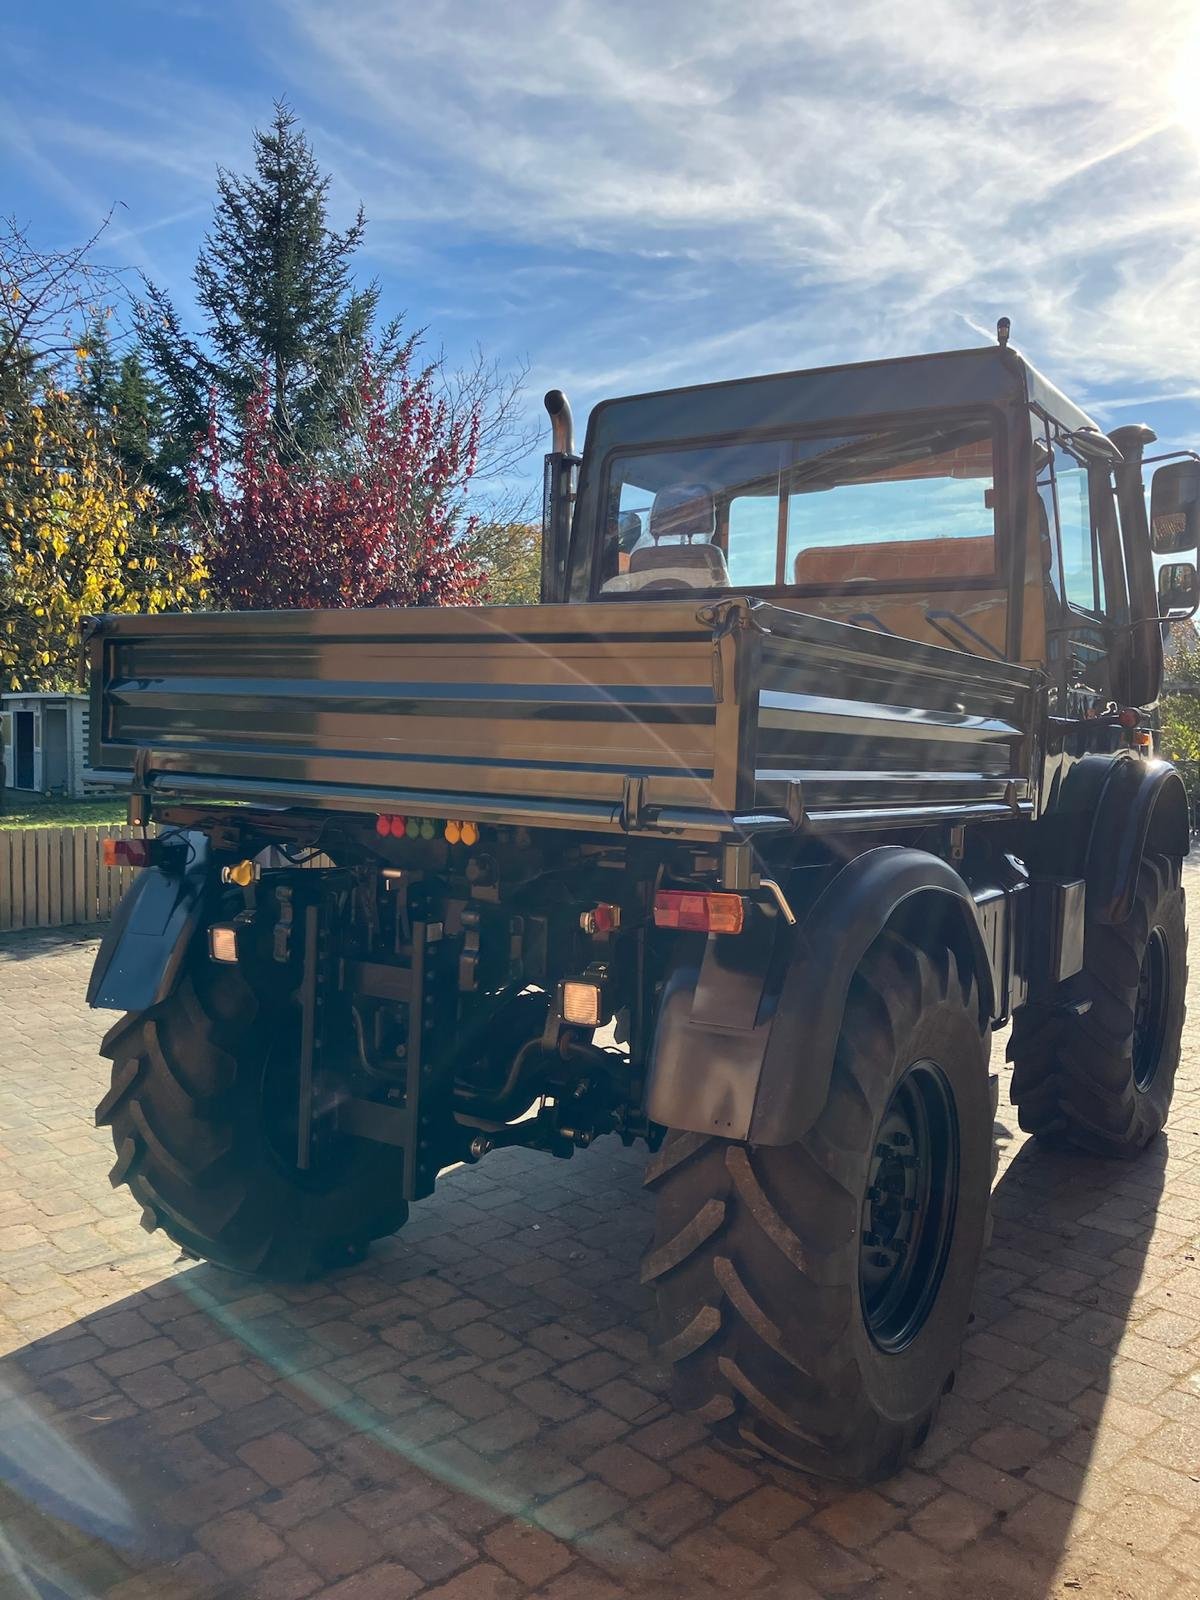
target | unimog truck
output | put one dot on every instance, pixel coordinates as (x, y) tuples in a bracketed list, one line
[(829, 749)]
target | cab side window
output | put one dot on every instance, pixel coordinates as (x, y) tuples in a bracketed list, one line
[(1064, 488), (1082, 578)]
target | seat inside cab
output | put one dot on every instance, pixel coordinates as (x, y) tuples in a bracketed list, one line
[(678, 551)]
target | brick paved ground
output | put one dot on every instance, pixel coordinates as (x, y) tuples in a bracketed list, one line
[(474, 1413)]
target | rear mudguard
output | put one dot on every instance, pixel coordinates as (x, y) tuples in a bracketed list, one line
[(747, 1026), (140, 956)]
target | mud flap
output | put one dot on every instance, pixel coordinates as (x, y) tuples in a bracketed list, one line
[(138, 962)]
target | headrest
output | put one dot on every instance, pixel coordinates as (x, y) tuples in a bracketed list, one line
[(684, 511)]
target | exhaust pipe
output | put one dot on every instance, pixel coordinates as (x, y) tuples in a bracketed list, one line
[(561, 425), (558, 497)]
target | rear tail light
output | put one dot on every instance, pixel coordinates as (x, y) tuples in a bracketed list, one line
[(692, 912), (128, 852)]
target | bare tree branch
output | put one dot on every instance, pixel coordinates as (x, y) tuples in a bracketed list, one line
[(46, 296)]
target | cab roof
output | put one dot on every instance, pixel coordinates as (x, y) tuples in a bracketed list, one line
[(986, 375)]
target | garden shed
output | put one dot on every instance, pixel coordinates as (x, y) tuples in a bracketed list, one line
[(44, 741)]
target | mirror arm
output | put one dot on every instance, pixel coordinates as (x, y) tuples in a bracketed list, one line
[(1155, 621), (1173, 455)]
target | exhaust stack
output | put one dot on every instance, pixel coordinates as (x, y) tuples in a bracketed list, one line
[(558, 497), (561, 423)]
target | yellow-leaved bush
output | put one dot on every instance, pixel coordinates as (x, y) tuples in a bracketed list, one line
[(75, 540)]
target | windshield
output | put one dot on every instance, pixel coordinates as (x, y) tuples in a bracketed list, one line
[(909, 503)]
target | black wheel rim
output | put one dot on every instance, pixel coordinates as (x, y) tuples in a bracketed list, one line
[(908, 1212), (1150, 1009)]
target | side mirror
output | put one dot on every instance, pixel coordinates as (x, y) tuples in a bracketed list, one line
[(1178, 591), (1175, 508)]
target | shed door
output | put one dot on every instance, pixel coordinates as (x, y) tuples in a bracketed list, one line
[(54, 750), (22, 750)]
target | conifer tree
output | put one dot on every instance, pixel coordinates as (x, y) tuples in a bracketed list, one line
[(274, 287), (125, 404)]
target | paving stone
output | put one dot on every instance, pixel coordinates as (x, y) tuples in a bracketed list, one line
[(665, 1516), (334, 1544), (429, 1546), (764, 1514), (626, 1470), (714, 1472), (386, 1581), (285, 1579), (858, 1519), (952, 1520), (723, 1561), (474, 1413), (278, 1458), (482, 1582), (821, 1561), (577, 1509), (527, 1552), (238, 1542)]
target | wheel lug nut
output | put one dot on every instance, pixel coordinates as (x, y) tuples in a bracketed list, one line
[(901, 1139)]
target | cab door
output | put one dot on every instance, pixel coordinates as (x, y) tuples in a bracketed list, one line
[(1086, 598)]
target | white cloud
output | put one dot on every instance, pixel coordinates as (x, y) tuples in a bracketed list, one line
[(894, 171), (648, 192)]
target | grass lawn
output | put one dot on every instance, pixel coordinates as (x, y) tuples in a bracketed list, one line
[(21, 810)]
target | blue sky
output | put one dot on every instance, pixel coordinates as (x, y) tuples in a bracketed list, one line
[(630, 196)]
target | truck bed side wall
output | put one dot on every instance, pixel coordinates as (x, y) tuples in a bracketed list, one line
[(547, 714), (548, 709)]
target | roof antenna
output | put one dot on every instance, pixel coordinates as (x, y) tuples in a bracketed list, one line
[(1003, 329)]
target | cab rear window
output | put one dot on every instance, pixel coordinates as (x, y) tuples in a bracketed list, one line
[(910, 503)]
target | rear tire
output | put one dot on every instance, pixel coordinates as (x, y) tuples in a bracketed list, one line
[(1102, 1078), (791, 1332), (196, 1086)]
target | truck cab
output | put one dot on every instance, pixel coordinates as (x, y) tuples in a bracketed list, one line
[(957, 498)]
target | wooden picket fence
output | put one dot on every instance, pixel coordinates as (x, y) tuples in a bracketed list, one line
[(53, 876)]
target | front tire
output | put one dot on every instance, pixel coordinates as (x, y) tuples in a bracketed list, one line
[(813, 1298), (1098, 1071), (198, 1110)]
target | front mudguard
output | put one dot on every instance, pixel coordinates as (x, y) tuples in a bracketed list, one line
[(1143, 809), (1106, 815), (748, 1024), (140, 956)]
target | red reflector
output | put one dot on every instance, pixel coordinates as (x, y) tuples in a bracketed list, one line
[(699, 913), (127, 852), (383, 825)]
